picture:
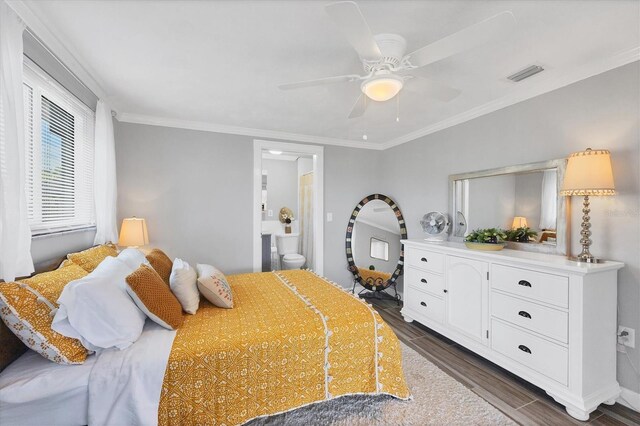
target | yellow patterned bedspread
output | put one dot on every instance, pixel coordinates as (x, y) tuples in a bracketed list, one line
[(291, 339)]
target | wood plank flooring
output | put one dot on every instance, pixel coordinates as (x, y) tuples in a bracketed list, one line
[(523, 402)]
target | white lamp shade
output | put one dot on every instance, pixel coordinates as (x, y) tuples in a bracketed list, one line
[(519, 222), (589, 173), (133, 232)]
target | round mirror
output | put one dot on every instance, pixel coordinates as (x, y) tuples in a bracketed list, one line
[(374, 251)]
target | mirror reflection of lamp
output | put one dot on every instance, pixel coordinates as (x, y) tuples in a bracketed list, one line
[(588, 173), (519, 222), (133, 232)]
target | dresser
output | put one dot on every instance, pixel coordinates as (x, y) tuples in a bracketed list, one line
[(544, 318)]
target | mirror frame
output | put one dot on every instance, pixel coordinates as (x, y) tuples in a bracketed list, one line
[(377, 286), (563, 220)]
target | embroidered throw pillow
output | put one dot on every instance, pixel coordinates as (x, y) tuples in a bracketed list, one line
[(154, 298), (27, 308), (214, 286), (184, 285), (161, 263), (89, 259)]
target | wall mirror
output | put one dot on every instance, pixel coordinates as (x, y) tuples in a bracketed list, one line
[(374, 251), (512, 197)]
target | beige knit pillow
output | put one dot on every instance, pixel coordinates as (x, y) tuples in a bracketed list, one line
[(154, 297), (161, 263)]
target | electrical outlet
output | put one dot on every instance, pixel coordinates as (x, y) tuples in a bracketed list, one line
[(626, 336), (270, 213)]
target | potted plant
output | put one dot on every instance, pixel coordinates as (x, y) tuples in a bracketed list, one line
[(523, 234), (492, 239)]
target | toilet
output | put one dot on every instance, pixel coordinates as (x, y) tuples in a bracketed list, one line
[(287, 246)]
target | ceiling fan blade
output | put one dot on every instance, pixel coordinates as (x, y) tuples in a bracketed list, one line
[(359, 107), (476, 35), (320, 81), (431, 88), (355, 28)]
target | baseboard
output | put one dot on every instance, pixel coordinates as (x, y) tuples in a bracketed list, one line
[(630, 399)]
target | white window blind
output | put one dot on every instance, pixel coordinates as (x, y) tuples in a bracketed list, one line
[(59, 155)]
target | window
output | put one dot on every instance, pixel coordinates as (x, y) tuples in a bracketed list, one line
[(59, 155)]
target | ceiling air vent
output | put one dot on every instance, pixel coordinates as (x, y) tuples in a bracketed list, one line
[(526, 73)]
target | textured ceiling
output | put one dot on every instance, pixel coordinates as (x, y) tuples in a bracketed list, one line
[(219, 63)]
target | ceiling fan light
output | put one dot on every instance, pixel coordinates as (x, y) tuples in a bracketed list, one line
[(382, 89)]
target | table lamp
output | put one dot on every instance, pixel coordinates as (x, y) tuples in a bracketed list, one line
[(588, 173), (519, 222), (133, 232)]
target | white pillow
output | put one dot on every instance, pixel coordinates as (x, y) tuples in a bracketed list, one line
[(214, 286), (133, 258), (97, 309), (182, 281)]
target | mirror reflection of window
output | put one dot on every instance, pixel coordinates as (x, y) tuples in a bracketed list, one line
[(549, 198), (379, 249)]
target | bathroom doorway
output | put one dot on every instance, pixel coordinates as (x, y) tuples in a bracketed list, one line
[(288, 208)]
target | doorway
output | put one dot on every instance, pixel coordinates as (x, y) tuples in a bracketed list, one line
[(288, 184)]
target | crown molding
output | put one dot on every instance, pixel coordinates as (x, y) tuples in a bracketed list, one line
[(90, 78), (70, 59), (539, 87), (237, 130)]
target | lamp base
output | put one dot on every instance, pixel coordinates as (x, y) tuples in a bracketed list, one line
[(586, 260)]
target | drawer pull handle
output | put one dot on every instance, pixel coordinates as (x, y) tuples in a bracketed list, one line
[(524, 314), (524, 283), (424, 259), (523, 348), (423, 281), (445, 290), (423, 304)]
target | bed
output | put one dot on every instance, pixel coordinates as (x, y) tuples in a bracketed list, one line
[(292, 339)]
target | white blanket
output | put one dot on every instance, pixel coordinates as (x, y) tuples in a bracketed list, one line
[(125, 386)]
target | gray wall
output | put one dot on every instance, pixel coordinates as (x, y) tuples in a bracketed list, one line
[(195, 190), (491, 202), (362, 247), (600, 112), (282, 186), (529, 198)]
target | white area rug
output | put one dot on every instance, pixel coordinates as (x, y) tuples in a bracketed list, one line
[(438, 399)]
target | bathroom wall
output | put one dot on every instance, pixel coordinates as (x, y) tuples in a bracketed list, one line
[(282, 187)]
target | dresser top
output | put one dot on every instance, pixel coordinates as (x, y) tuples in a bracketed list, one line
[(519, 256)]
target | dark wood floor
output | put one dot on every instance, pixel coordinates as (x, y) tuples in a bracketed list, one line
[(523, 402)]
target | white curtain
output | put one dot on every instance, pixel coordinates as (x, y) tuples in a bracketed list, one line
[(15, 234), (306, 218), (549, 200), (104, 177)]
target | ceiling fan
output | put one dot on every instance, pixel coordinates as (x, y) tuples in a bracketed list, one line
[(386, 64)]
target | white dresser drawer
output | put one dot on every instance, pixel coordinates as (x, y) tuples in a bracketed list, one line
[(541, 319), (548, 288), (426, 305), (425, 281), (424, 259), (531, 351)]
